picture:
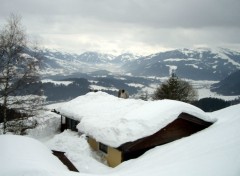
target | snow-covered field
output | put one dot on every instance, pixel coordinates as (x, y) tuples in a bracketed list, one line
[(203, 88), (213, 151)]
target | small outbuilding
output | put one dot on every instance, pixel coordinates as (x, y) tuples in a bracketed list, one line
[(123, 129)]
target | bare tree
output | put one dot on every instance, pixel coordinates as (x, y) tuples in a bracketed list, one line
[(17, 70), (176, 89)]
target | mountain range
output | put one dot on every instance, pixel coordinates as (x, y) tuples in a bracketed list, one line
[(195, 64), (198, 64), (139, 75)]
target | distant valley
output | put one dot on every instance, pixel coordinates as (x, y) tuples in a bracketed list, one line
[(137, 74), (198, 64)]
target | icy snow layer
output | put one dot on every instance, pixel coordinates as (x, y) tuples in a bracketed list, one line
[(115, 121)]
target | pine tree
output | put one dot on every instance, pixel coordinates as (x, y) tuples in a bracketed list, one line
[(176, 89)]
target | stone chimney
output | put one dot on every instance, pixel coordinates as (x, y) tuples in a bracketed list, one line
[(123, 94)]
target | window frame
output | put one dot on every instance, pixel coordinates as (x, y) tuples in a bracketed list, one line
[(103, 148)]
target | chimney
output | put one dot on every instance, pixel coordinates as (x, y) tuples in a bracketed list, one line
[(123, 94)]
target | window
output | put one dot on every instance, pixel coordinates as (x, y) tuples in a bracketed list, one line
[(72, 124), (103, 147)]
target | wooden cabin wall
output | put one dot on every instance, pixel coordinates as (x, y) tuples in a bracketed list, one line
[(113, 157), (176, 130)]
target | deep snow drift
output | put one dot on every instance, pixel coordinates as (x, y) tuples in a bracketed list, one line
[(26, 155), (213, 151)]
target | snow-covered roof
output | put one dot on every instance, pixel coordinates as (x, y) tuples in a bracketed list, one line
[(26, 156), (115, 121)]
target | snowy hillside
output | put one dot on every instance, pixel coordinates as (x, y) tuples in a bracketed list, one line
[(125, 58), (95, 58), (228, 86), (195, 64), (61, 63), (213, 151)]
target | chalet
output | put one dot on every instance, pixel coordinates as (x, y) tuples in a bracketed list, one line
[(123, 129)]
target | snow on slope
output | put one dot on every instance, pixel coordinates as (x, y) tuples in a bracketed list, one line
[(222, 53), (213, 151), (26, 156)]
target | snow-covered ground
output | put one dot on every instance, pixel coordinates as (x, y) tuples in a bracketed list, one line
[(78, 151), (213, 151), (26, 156), (205, 92), (203, 88)]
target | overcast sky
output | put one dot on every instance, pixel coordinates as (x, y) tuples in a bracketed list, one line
[(138, 26)]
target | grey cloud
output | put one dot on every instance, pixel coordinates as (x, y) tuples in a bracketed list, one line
[(159, 13), (167, 23)]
